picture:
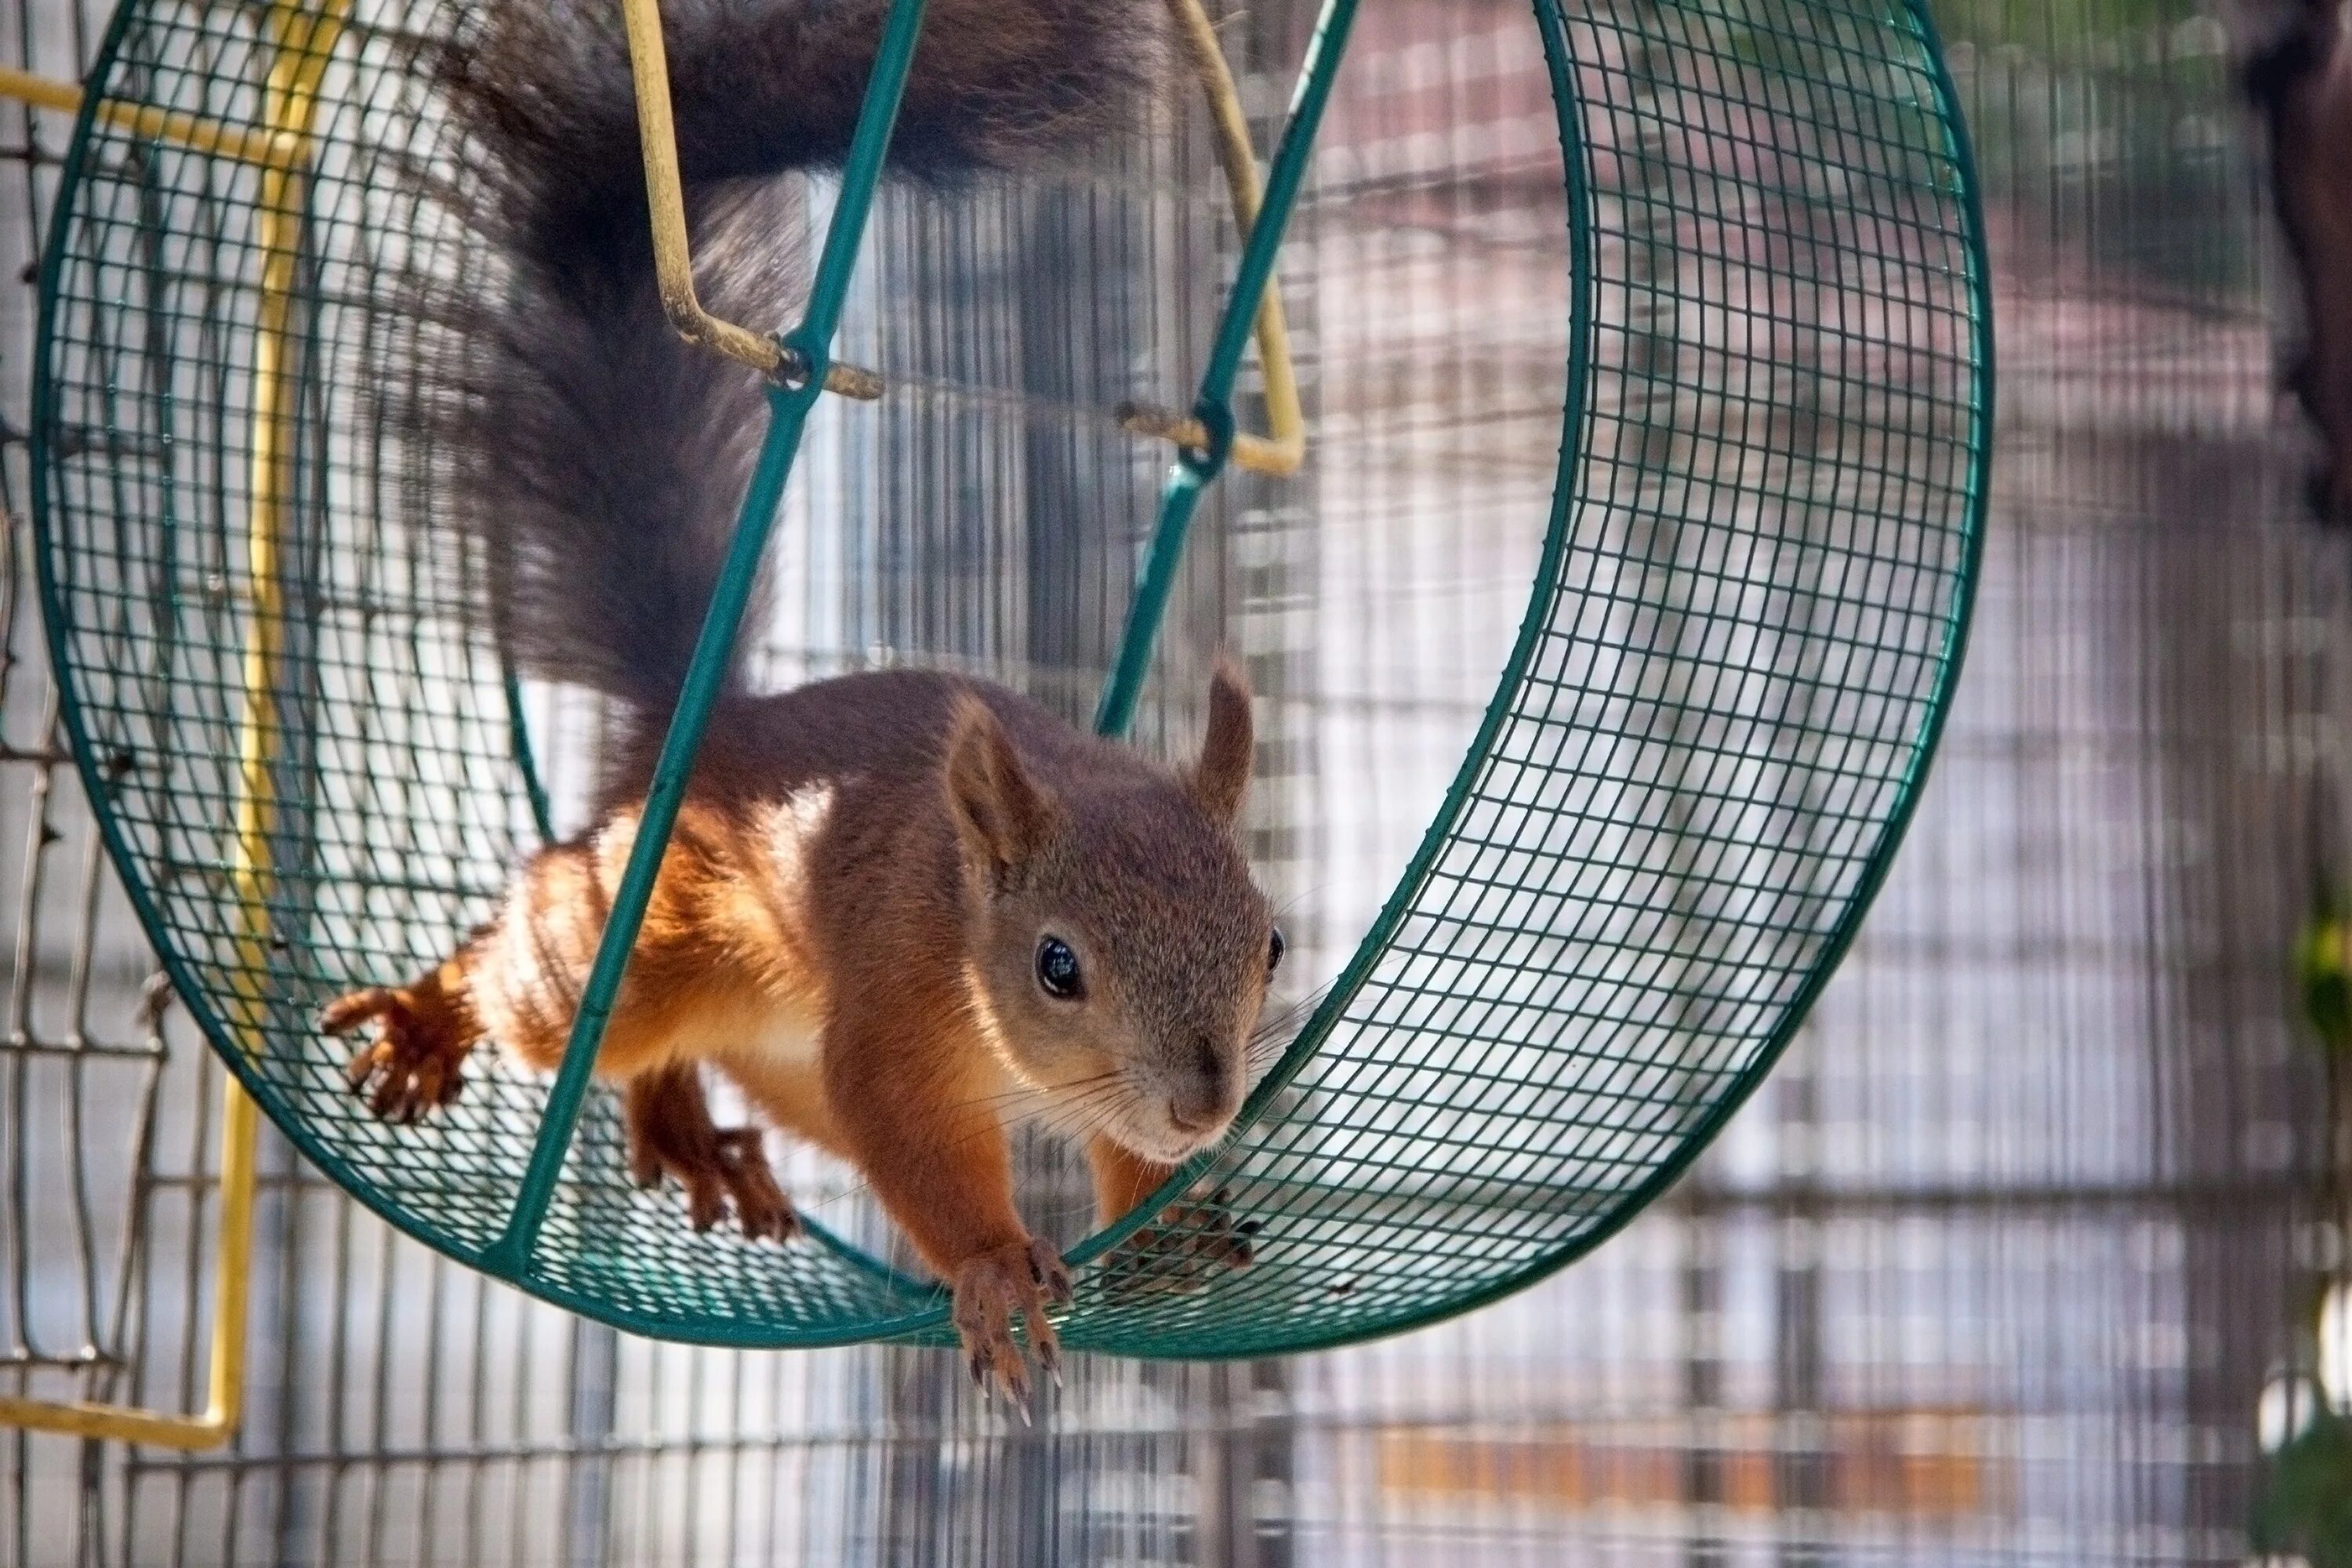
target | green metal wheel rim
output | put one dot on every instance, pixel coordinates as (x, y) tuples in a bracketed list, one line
[(1733, 671)]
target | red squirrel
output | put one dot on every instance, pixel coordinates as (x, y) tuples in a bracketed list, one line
[(2301, 84), (900, 908)]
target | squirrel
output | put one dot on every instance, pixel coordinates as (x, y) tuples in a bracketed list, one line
[(900, 910), (2300, 85)]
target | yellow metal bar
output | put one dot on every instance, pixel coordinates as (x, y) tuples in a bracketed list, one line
[(225, 1375), (302, 41), (1281, 450), (666, 197), (242, 142)]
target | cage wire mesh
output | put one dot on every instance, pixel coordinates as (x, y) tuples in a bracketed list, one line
[(1996, 1267)]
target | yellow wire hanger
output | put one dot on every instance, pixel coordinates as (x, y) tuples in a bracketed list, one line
[(1279, 453)]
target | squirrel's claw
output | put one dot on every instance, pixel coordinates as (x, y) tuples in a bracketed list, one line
[(349, 1011), (738, 1182), (671, 1134), (1051, 1274), (995, 1291), (410, 1067), (750, 1183), (1177, 1253)]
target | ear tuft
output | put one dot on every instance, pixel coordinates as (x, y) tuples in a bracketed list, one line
[(1001, 815), (1222, 777)]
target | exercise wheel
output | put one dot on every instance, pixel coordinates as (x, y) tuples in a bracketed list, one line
[(1735, 659)]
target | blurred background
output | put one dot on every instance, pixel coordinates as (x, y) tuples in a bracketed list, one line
[(2022, 1254)]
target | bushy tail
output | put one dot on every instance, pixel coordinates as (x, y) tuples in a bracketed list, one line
[(2298, 47), (598, 458)]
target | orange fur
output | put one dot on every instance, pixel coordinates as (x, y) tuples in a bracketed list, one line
[(846, 923), (1122, 1178)]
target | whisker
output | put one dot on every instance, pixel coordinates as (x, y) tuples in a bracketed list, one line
[(1273, 1035), (1086, 1107), (1027, 1093), (1293, 904)]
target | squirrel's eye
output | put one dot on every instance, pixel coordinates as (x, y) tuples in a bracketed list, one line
[(1274, 950), (1057, 969)]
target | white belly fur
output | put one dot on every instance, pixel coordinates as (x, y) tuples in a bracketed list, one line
[(769, 1040), (775, 1037)]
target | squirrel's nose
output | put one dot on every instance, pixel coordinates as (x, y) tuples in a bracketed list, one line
[(1194, 1112), (1199, 1103)]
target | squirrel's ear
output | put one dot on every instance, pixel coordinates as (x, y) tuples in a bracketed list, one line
[(1222, 777), (1001, 815)]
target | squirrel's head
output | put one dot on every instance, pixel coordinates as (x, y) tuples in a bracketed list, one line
[(1118, 945)]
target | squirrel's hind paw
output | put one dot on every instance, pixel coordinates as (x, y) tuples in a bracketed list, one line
[(415, 1062), (1010, 1284), (1178, 1253)]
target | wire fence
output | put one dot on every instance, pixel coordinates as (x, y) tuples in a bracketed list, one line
[(1994, 1269)]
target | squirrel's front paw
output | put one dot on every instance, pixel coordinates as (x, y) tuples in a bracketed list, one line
[(671, 1134), (1177, 1253), (733, 1173), (412, 1066), (1013, 1282)]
